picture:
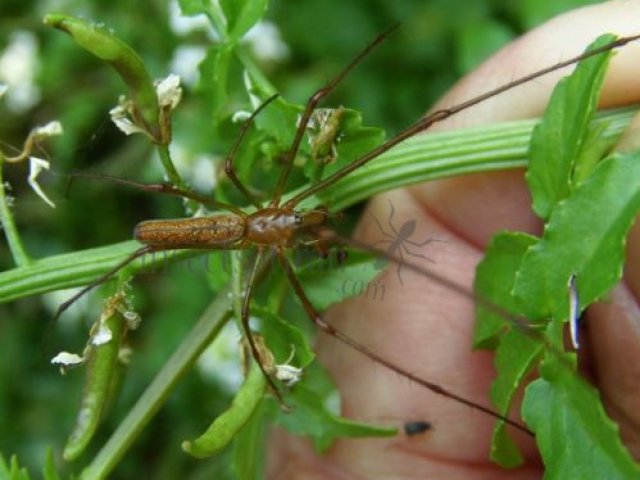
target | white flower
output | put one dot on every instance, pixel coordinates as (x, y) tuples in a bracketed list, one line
[(169, 94), (288, 374), (103, 335), (51, 129), (265, 41), (185, 25), (186, 61), (120, 116), (132, 318), (36, 165), (18, 66), (3, 89), (124, 355), (169, 91), (67, 359), (240, 116)]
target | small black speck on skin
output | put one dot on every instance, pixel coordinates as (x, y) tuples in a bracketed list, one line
[(416, 427)]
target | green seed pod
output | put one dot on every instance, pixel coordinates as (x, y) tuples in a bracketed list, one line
[(99, 41), (227, 425), (101, 364)]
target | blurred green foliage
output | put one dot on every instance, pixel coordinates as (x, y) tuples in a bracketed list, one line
[(438, 42)]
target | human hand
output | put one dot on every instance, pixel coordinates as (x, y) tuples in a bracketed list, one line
[(427, 329)]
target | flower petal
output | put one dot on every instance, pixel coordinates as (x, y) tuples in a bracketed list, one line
[(169, 91), (51, 129), (36, 165), (67, 359)]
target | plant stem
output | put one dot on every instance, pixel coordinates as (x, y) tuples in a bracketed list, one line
[(19, 253), (201, 335), (421, 158), (427, 157), (169, 167), (75, 269)]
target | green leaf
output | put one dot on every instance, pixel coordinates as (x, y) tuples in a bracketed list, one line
[(194, 7), (327, 282), (284, 339), (49, 470), (585, 237), (516, 356), (557, 141), (312, 417), (214, 73), (574, 434), (13, 470), (99, 41), (279, 118), (494, 279), (354, 140), (242, 15)]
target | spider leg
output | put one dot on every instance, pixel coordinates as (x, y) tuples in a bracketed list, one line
[(101, 279), (253, 278), (165, 188), (369, 353), (312, 103), (443, 114), (228, 165)]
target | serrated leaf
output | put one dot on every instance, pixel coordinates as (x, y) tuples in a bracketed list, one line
[(311, 416), (585, 236), (516, 356), (557, 140), (574, 434), (326, 282), (280, 118), (494, 279)]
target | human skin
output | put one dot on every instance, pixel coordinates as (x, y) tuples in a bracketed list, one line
[(427, 329)]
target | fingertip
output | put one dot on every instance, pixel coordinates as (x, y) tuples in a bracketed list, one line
[(561, 38)]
